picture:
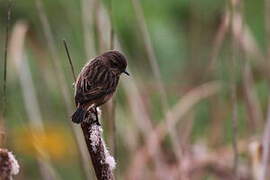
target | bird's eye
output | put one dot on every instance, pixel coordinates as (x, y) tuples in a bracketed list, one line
[(114, 63)]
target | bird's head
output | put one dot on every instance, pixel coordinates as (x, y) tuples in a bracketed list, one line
[(116, 61)]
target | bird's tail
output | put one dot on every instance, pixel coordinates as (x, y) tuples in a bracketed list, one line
[(79, 115)]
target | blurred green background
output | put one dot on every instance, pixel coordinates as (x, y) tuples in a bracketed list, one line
[(190, 49)]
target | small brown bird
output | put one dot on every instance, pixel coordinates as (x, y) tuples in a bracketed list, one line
[(97, 82)]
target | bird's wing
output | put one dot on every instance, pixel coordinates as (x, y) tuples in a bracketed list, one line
[(91, 83)]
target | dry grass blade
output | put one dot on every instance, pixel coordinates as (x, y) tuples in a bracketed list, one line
[(88, 29), (112, 29), (266, 135), (69, 60), (266, 146), (4, 97), (252, 101), (112, 104), (5, 59), (108, 117), (267, 25), (223, 29), (246, 40), (234, 129), (103, 27), (150, 51), (190, 99), (234, 7)]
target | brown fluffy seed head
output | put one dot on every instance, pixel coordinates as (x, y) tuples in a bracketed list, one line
[(8, 165)]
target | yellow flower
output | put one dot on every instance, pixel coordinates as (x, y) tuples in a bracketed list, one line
[(55, 142)]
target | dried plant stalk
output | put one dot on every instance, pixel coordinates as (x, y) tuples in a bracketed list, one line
[(5, 59), (4, 97), (150, 51), (266, 134), (69, 60), (234, 7), (111, 104), (102, 161), (266, 146), (253, 106), (112, 29), (88, 26), (8, 165)]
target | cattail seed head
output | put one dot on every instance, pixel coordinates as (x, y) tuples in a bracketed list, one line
[(8, 165)]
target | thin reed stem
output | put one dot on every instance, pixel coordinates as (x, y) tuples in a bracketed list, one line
[(112, 28), (69, 59), (150, 51), (88, 26), (233, 6), (253, 105), (234, 128), (112, 104), (5, 59), (267, 27), (266, 146), (266, 135)]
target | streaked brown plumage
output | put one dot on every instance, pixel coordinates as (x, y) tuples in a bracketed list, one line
[(97, 82)]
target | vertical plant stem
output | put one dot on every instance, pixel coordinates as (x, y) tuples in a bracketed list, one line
[(112, 104), (4, 97), (234, 128), (267, 27), (88, 26), (109, 117), (266, 136), (5, 59), (69, 60), (266, 146), (150, 51), (101, 46), (253, 106), (233, 82), (112, 28), (218, 41)]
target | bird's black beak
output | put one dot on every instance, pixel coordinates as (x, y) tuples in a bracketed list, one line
[(126, 73)]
